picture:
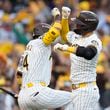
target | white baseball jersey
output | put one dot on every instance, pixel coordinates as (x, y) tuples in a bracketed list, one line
[(35, 64), (83, 70)]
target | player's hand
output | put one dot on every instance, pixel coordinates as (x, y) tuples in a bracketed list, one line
[(55, 12), (66, 11), (57, 46), (16, 96), (61, 47)]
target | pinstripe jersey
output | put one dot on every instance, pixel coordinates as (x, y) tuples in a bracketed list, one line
[(35, 63), (83, 70)]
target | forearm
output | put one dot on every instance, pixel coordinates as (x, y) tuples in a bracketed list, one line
[(71, 49), (55, 29), (65, 25), (65, 29), (66, 48), (80, 51), (52, 34)]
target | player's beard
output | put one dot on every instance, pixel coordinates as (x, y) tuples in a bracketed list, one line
[(78, 31)]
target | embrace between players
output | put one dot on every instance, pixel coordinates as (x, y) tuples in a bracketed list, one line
[(35, 64)]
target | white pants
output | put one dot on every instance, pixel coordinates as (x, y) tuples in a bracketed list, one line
[(40, 98), (86, 98)]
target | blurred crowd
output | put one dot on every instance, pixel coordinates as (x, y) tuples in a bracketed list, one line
[(17, 20)]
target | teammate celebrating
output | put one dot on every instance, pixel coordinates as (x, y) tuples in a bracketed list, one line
[(84, 51), (35, 67)]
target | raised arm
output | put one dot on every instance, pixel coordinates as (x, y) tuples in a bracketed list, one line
[(64, 22), (55, 29)]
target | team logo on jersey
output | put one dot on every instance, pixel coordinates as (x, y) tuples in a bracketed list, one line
[(95, 43), (75, 45)]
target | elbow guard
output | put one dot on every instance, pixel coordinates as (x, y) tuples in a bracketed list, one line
[(52, 34), (86, 52)]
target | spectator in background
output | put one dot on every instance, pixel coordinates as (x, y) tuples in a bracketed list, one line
[(22, 32), (84, 5), (45, 13), (6, 78), (3, 62), (103, 70), (6, 30), (64, 83), (104, 18), (19, 5), (7, 6), (1, 8), (106, 96), (101, 80)]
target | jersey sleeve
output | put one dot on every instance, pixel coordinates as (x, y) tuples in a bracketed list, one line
[(96, 43)]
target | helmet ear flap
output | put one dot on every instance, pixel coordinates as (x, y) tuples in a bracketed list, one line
[(34, 35)]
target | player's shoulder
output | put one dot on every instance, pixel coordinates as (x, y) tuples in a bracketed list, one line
[(95, 39), (35, 42)]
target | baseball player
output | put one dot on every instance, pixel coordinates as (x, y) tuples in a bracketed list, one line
[(84, 51), (35, 67)]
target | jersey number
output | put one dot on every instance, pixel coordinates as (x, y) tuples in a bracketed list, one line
[(25, 63)]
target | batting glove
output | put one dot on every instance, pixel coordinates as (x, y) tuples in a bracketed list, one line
[(55, 12), (59, 46), (66, 12)]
